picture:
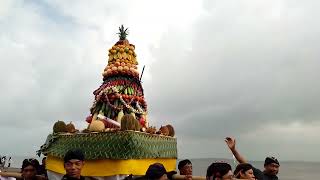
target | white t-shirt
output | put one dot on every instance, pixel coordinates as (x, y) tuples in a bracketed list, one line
[(6, 178)]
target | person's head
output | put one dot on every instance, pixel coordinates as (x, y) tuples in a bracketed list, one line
[(244, 171), (185, 167), (29, 168), (156, 171), (219, 171), (73, 163), (271, 166)]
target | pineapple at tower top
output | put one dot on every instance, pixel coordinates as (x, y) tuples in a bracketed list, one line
[(123, 33), (122, 58)]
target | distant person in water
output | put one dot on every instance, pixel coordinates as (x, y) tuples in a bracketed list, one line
[(73, 164), (244, 171), (271, 164), (29, 170), (219, 171)]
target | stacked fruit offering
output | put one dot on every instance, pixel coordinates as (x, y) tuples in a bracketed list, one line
[(122, 60), (121, 92)]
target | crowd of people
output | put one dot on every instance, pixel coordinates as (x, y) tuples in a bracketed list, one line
[(3, 161), (220, 170)]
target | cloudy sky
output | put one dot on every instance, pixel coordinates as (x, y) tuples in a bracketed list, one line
[(214, 68)]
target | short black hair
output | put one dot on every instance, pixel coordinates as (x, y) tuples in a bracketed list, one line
[(183, 163), (74, 154), (270, 160), (218, 169), (242, 167), (155, 171), (30, 162)]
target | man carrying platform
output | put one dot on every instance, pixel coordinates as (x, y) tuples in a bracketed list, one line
[(73, 164)]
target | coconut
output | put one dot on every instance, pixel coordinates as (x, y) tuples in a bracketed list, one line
[(164, 130), (59, 127), (71, 128), (171, 130), (151, 130)]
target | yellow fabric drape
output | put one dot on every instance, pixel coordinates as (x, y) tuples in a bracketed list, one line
[(111, 167)]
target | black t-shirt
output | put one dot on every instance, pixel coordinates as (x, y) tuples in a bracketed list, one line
[(65, 177), (42, 171), (262, 176)]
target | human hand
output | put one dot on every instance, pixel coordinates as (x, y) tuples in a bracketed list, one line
[(188, 177), (231, 142)]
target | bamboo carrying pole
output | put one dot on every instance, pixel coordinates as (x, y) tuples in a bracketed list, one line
[(10, 174)]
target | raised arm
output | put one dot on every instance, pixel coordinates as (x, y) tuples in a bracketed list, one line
[(231, 143)]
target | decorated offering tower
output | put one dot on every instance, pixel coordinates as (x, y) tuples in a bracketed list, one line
[(121, 93), (118, 139)]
